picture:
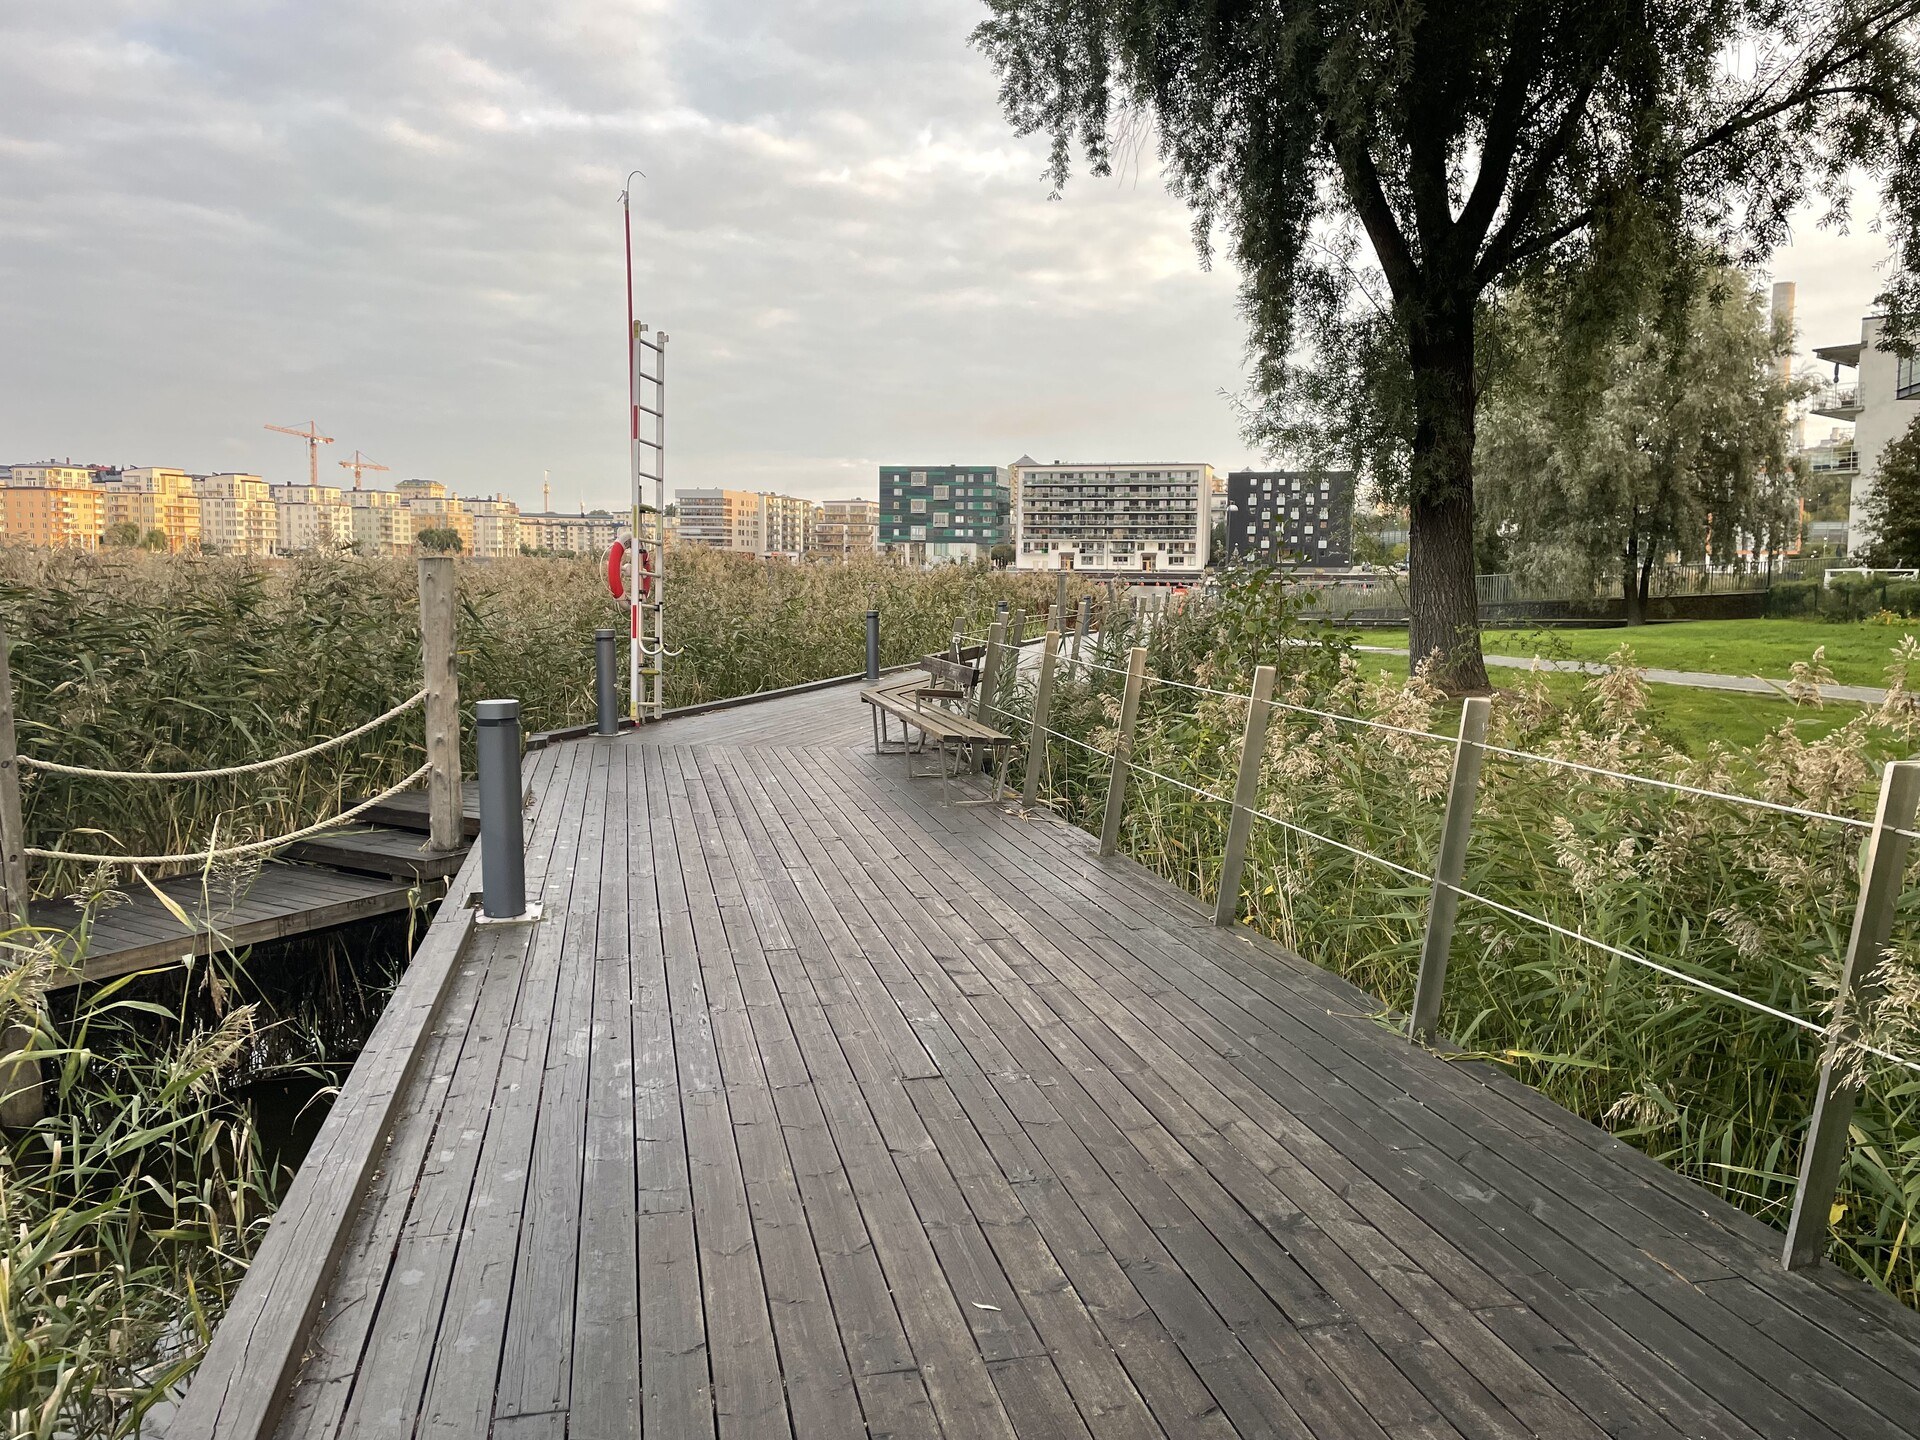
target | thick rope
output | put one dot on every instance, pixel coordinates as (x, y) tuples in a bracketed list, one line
[(247, 769), (228, 851)]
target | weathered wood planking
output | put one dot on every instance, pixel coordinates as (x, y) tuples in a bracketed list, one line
[(814, 1107), (280, 901)]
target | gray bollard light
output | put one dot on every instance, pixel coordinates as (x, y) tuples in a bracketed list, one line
[(605, 680), (503, 859), (873, 644)]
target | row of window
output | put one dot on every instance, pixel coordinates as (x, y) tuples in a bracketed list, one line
[(1906, 377)]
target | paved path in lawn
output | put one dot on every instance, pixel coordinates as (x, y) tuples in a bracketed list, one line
[(1696, 679)]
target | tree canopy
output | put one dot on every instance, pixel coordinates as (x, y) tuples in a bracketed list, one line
[(1466, 146), (1667, 442)]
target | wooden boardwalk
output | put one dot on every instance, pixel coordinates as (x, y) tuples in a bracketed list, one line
[(812, 1108)]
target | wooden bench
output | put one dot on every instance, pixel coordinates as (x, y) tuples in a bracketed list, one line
[(921, 702)]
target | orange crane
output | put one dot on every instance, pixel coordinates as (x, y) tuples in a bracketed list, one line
[(358, 463), (314, 440)]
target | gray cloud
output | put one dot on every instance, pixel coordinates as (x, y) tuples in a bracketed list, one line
[(400, 220)]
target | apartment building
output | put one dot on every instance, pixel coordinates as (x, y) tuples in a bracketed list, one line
[(381, 524), (786, 526), (943, 514), (153, 497), (432, 506), (236, 514), (311, 518), (753, 522), (496, 527), (844, 529), (554, 532), (1879, 399), (51, 504), (1293, 515), (1149, 517)]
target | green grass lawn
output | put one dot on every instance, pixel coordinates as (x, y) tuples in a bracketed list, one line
[(1857, 654), (1691, 719)]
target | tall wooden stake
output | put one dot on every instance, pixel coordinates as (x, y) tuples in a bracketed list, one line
[(1451, 864), (1123, 749), (1826, 1146), (22, 1091), (1037, 735), (438, 658), (1246, 795)]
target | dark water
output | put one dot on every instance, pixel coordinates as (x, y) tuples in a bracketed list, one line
[(319, 997)]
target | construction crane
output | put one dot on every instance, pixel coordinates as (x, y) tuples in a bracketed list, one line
[(314, 440), (358, 463)]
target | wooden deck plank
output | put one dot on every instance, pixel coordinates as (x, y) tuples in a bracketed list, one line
[(467, 1344), (604, 1386), (816, 1106), (1770, 1409), (535, 1375)]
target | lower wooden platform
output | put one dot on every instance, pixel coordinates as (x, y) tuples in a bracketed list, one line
[(814, 1108), (138, 932)]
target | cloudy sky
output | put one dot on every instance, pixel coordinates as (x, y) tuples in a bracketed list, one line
[(400, 220)]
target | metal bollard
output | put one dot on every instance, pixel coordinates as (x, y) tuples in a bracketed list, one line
[(605, 674), (503, 859), (873, 644)]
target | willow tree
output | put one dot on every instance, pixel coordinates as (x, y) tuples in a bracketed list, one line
[(1467, 145), (1665, 442)]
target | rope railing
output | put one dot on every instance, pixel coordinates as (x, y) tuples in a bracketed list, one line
[(221, 772), (228, 852)]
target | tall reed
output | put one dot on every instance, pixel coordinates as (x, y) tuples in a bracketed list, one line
[(130, 661)]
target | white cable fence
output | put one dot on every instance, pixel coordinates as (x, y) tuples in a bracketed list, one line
[(1886, 844)]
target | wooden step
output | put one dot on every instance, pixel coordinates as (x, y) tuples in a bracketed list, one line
[(408, 810), (378, 850)]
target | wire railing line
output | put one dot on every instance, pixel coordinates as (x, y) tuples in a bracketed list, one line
[(250, 767), (1421, 877), (1627, 776), (226, 852)]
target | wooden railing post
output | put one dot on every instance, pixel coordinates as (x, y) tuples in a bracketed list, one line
[(1246, 796), (1123, 749), (985, 697), (1017, 628), (1444, 901), (1059, 598), (1826, 1146), (1086, 620), (1037, 733), (438, 660), (13, 840), (23, 1097)]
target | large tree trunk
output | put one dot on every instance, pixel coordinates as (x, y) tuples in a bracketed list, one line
[(1630, 580), (1443, 600)]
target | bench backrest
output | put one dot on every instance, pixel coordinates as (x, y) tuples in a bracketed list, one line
[(957, 673)]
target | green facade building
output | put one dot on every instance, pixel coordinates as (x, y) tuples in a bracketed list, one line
[(935, 513)]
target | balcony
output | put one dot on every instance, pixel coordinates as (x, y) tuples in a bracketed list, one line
[(1840, 402), (1835, 462)]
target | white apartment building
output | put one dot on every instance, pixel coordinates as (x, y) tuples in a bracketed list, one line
[(555, 532), (1143, 518), (236, 514), (754, 522), (381, 524), (311, 517), (846, 529), (496, 526), (1880, 400)]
